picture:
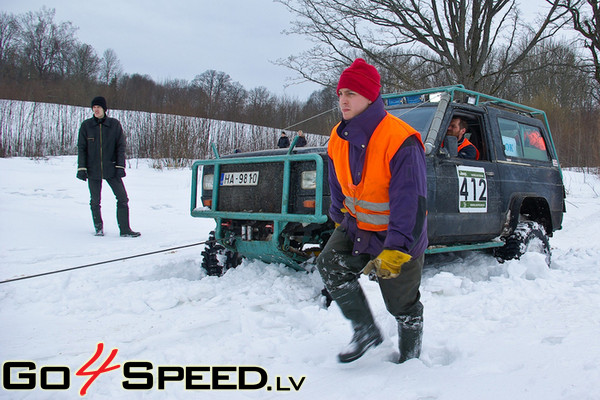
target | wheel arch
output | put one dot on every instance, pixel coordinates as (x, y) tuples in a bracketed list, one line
[(525, 207)]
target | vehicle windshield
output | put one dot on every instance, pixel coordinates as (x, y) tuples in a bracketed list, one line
[(418, 117)]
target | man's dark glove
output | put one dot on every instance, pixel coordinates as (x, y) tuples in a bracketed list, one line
[(120, 173), (82, 174)]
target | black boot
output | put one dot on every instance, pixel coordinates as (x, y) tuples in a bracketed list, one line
[(98, 225), (99, 230), (365, 337), (410, 336), (123, 221), (354, 306)]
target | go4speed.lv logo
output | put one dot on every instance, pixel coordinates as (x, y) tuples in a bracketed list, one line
[(143, 375)]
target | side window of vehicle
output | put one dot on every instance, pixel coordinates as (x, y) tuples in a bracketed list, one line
[(474, 132), (522, 141), (534, 145)]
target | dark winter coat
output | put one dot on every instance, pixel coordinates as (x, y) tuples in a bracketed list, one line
[(467, 150), (101, 147), (301, 141), (283, 142)]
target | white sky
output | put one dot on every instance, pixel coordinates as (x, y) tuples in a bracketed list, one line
[(180, 39)]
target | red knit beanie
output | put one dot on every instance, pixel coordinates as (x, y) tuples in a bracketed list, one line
[(361, 78)]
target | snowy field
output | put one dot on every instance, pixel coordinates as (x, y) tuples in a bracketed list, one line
[(518, 330)]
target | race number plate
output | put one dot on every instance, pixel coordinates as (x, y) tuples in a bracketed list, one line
[(249, 178), (472, 189)]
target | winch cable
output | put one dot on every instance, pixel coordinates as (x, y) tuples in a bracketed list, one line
[(171, 248), (313, 117), (337, 108), (105, 262)]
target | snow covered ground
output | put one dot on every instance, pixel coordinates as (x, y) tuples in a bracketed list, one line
[(518, 330)]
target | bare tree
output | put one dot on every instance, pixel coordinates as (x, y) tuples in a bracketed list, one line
[(137, 92), (261, 104), (563, 82), (110, 67), (45, 43), (215, 85), (234, 101), (320, 113), (475, 42), (84, 63), (586, 21), (9, 31)]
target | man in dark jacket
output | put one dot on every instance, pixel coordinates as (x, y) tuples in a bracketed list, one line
[(101, 155), (466, 149), (283, 141)]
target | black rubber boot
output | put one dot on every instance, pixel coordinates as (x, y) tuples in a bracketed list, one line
[(123, 221), (410, 336), (354, 306), (365, 337)]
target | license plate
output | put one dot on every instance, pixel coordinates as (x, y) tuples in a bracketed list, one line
[(249, 178)]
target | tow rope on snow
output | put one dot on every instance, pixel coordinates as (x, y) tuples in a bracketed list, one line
[(103, 262)]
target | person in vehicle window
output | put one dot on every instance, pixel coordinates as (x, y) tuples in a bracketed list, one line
[(378, 182), (101, 155), (535, 139), (466, 149)]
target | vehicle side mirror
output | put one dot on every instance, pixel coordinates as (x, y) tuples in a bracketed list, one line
[(451, 146)]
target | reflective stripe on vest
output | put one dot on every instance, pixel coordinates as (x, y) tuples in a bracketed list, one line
[(368, 201), (362, 211)]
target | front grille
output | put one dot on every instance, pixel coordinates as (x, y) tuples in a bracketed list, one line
[(263, 198)]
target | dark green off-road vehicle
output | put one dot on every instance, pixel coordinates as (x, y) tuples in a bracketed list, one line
[(272, 205)]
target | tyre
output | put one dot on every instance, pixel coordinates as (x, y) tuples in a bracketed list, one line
[(529, 236), (216, 259)]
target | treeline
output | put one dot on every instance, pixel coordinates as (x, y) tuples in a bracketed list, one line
[(32, 129), (42, 61)]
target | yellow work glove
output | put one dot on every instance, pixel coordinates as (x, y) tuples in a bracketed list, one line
[(343, 210), (388, 264)]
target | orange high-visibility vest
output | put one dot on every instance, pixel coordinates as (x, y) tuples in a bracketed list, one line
[(534, 139), (465, 143), (369, 201)]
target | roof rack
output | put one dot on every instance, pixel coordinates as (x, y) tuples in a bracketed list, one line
[(473, 97)]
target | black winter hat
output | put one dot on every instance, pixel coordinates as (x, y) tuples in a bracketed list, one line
[(99, 101)]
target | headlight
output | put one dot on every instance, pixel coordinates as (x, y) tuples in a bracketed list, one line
[(309, 180), (207, 182)]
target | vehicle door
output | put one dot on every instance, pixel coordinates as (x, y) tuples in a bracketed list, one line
[(463, 195)]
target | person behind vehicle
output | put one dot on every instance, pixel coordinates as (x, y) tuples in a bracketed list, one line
[(534, 139), (301, 142), (377, 178), (466, 149), (101, 155), (283, 141)]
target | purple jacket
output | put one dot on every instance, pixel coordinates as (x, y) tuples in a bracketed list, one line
[(407, 229)]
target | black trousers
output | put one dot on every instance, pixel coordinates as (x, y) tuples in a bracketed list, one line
[(340, 270), (118, 188)]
